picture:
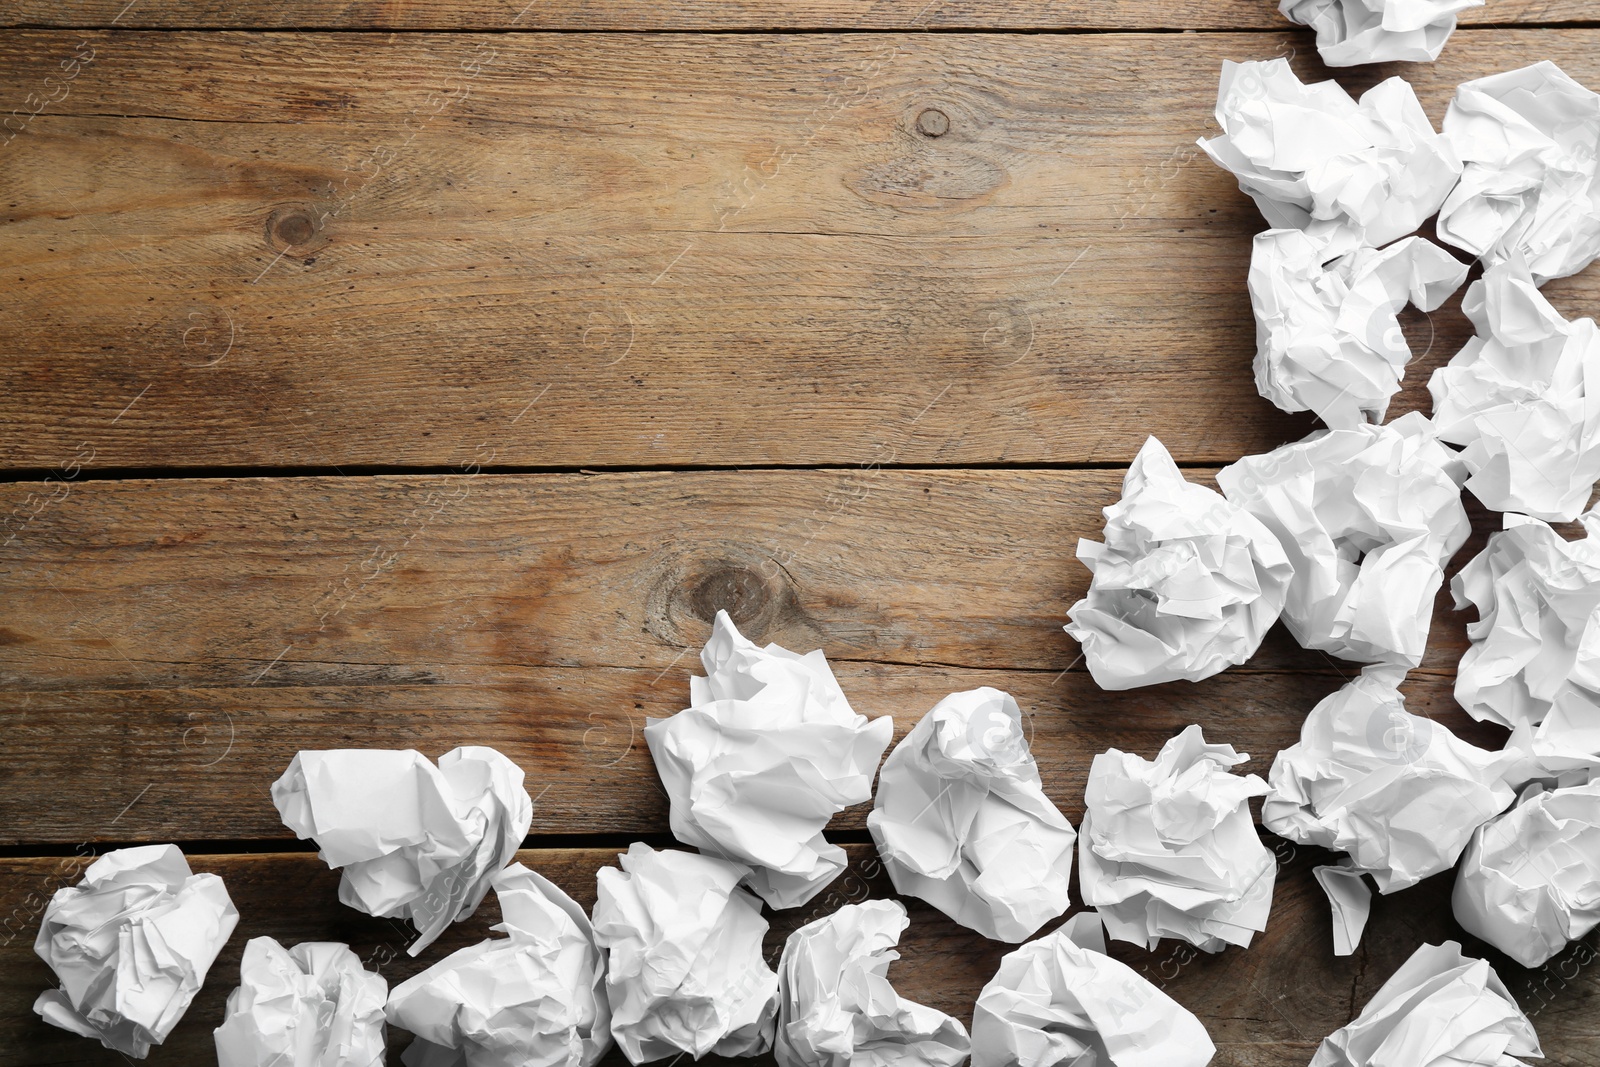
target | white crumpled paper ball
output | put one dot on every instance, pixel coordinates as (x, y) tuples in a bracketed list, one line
[(1535, 653), (414, 841), (1169, 848), (766, 754), (685, 973), (1440, 1009), (1368, 516), (837, 1008), (131, 945), (1061, 1001), (1530, 139), (1529, 882), (1313, 159), (1523, 399), (312, 1005), (1185, 585), (535, 998), (962, 821), (1352, 32), (1400, 793), (1328, 335)]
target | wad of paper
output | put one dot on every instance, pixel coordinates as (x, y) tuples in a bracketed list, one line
[(1368, 516), (1061, 1001), (536, 996), (1530, 139), (1169, 849), (1535, 653), (414, 841), (962, 821), (131, 945), (313, 1005), (1352, 32), (1523, 398), (1328, 335), (1313, 159), (1400, 793), (766, 754), (685, 973), (837, 1008), (1186, 584), (1530, 880), (1440, 1009)]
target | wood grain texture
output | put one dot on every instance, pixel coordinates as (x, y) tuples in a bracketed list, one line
[(716, 14), (257, 249), (1266, 1006), (190, 635)]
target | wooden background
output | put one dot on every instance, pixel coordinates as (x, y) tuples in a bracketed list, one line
[(416, 375)]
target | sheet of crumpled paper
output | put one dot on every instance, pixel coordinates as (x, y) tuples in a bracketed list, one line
[(1313, 159), (1530, 139), (1328, 335), (131, 944), (1400, 793), (1169, 849), (1523, 398), (1351, 32), (1440, 1009), (685, 971), (414, 841), (1061, 1001), (1368, 516), (768, 751), (1529, 882), (536, 996), (837, 1007), (1185, 585), (1536, 644), (312, 1005), (962, 821)]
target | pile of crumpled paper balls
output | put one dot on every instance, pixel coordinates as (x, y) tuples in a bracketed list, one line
[(1344, 536)]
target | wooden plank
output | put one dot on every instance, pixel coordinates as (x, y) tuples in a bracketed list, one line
[(1266, 1006), (719, 15), (618, 250), (420, 579), (197, 764)]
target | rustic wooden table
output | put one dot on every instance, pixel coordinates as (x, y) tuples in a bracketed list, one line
[(407, 375)]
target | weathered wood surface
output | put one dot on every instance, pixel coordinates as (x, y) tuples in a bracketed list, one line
[(188, 636), (1266, 1006), (269, 250), (715, 14)]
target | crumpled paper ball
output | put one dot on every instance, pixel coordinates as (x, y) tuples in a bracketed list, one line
[(1169, 848), (1368, 516), (1536, 645), (1529, 882), (535, 998), (1352, 32), (1061, 1001), (685, 972), (1518, 398), (1440, 1009), (131, 945), (961, 819), (1328, 335), (1313, 159), (1400, 793), (414, 841), (766, 754), (312, 1005), (1530, 139), (837, 1008), (1185, 586)]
